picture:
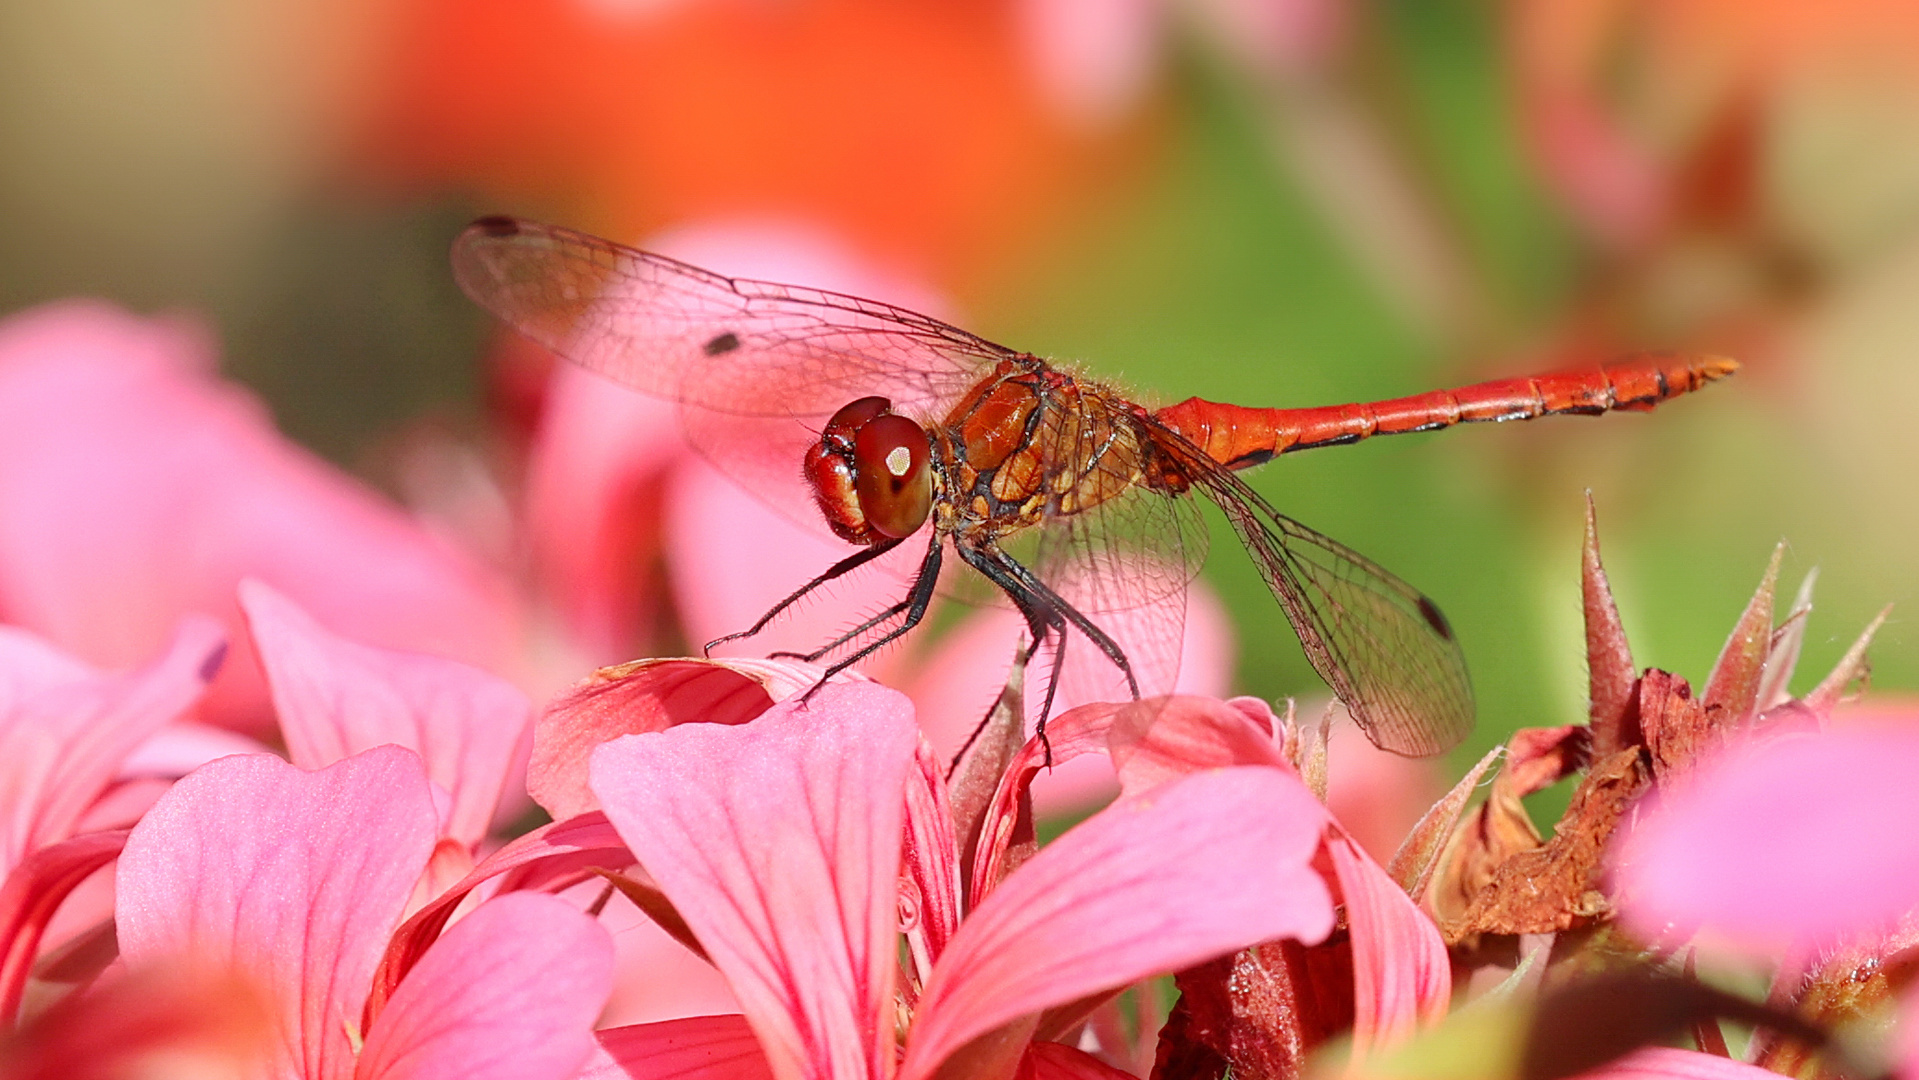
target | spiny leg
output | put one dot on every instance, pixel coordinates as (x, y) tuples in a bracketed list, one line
[(1037, 588), (917, 600), (850, 635), (851, 562), (1042, 618)]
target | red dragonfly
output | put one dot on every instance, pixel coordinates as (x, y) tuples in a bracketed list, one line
[(1070, 498)]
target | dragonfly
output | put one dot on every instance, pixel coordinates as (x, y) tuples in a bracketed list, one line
[(909, 437)]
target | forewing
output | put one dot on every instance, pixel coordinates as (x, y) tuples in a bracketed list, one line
[(1381, 644), (732, 345)]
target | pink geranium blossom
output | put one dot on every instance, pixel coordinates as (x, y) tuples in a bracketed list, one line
[(1788, 844), (135, 487), (65, 731), (296, 880), (1398, 965), (779, 842)]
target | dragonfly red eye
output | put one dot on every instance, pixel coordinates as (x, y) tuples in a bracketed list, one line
[(891, 475), (853, 414)]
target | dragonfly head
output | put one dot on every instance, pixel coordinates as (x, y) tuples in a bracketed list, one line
[(871, 472)]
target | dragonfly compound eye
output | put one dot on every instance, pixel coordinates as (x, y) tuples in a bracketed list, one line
[(853, 472), (892, 475), (853, 415)]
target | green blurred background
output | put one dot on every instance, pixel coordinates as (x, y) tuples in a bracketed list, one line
[(1293, 203)]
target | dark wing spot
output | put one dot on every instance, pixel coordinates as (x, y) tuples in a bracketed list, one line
[(1435, 619), (497, 225), (725, 343)]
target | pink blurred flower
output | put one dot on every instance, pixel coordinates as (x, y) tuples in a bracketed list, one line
[(134, 487), (779, 842), (210, 877), (65, 732), (1782, 846), (1095, 61)]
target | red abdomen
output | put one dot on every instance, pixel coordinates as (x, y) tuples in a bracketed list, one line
[(1240, 437)]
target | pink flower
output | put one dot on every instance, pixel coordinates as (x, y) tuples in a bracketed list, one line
[(779, 842), (336, 698), (296, 880), (134, 487), (65, 732), (1397, 963), (1786, 844), (177, 1021)]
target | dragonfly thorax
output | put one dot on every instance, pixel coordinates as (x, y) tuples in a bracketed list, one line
[(871, 473)]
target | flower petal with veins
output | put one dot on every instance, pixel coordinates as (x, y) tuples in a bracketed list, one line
[(296, 879), (509, 993), (1158, 881), (779, 841)]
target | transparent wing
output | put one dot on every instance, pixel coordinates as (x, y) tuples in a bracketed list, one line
[(1117, 548), (1382, 646), (746, 348)]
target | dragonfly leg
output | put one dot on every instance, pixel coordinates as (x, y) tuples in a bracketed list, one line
[(916, 602), (1047, 613), (851, 562), (1033, 586), (850, 635)]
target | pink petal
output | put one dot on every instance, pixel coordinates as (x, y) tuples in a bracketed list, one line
[(1664, 1063), (649, 695), (696, 1048), (563, 852), (29, 664), (336, 698), (32, 894), (932, 854), (174, 1020), (779, 841), (1053, 1061), (1080, 731), (1193, 869), (511, 992), (134, 488), (1787, 843), (1402, 975), (296, 879), (1162, 739), (962, 676), (60, 747), (183, 746), (124, 804), (656, 977)]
